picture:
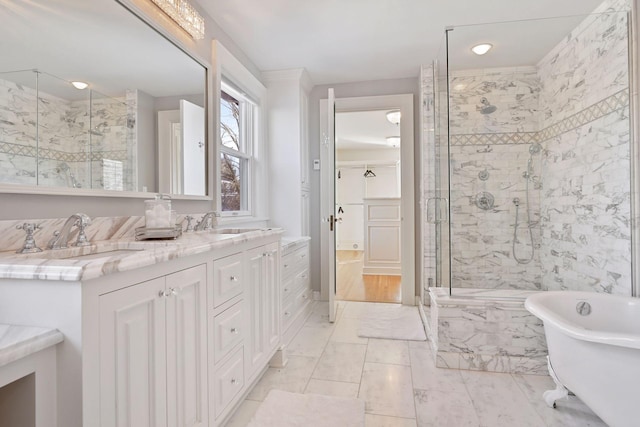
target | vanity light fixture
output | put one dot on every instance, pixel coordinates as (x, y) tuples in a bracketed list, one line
[(394, 116), (185, 15), (393, 141), (481, 49), (80, 85)]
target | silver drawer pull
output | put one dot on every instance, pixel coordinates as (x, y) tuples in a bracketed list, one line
[(173, 291), (304, 297), (234, 381), (286, 313), (163, 294), (233, 278), (234, 330), (286, 289), (286, 266)]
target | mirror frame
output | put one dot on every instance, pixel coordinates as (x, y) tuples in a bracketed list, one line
[(163, 26)]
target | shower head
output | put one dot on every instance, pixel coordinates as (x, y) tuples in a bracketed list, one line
[(535, 148), (486, 107)]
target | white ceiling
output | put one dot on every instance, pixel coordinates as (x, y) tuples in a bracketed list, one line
[(364, 130), (360, 40)]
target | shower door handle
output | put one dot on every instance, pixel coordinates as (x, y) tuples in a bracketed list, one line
[(429, 220), (446, 209), (437, 213)]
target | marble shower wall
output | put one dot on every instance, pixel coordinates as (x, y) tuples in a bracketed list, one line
[(585, 129), (575, 103), (489, 154), (72, 143)]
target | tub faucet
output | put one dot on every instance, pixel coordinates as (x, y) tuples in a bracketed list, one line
[(61, 238), (208, 221)]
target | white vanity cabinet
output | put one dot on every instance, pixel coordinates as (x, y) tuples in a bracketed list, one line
[(152, 342), (174, 342)]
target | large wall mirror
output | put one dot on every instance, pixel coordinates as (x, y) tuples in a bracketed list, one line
[(92, 98)]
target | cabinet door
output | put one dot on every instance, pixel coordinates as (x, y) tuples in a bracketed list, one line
[(272, 296), (255, 295), (132, 356), (186, 347)]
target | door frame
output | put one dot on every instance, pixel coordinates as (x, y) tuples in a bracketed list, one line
[(403, 102)]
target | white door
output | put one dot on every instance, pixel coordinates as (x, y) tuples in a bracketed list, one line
[(186, 344), (193, 145), (132, 356), (327, 191)]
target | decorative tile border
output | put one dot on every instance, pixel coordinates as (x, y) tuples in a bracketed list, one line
[(495, 138), (63, 156), (594, 112)]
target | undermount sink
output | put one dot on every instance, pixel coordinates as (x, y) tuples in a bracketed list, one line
[(102, 250), (94, 255), (235, 230)]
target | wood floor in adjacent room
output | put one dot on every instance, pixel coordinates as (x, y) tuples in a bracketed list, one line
[(351, 285)]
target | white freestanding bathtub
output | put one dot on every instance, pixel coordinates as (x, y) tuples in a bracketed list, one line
[(594, 350)]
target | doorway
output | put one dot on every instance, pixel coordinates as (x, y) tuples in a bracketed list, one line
[(367, 193), (402, 212)]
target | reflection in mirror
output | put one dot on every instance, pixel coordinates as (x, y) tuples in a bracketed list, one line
[(93, 98)]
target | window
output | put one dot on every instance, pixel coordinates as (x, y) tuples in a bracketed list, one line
[(236, 149)]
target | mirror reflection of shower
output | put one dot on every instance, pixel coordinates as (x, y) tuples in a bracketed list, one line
[(528, 175), (486, 107)]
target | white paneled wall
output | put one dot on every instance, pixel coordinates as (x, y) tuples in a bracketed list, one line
[(352, 188)]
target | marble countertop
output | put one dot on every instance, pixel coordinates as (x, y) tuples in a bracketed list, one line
[(114, 256), (17, 342)]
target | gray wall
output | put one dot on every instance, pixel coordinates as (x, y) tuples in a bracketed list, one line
[(348, 90)]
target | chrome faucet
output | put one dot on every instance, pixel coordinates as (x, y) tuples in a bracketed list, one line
[(207, 222), (61, 238)]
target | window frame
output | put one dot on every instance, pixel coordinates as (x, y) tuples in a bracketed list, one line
[(247, 142), (235, 73)]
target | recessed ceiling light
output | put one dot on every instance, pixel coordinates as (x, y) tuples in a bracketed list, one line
[(80, 85), (481, 49), (394, 116), (393, 141)]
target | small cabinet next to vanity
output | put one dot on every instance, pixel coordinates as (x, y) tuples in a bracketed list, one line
[(166, 337), (296, 293)]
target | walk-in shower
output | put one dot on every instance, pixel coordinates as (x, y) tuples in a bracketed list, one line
[(554, 153)]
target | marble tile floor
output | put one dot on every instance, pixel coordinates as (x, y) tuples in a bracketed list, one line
[(401, 385)]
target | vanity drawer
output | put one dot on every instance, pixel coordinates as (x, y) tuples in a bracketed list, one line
[(302, 281), (288, 289), (288, 313), (301, 256), (228, 278), (302, 299), (228, 330), (229, 381), (295, 262)]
